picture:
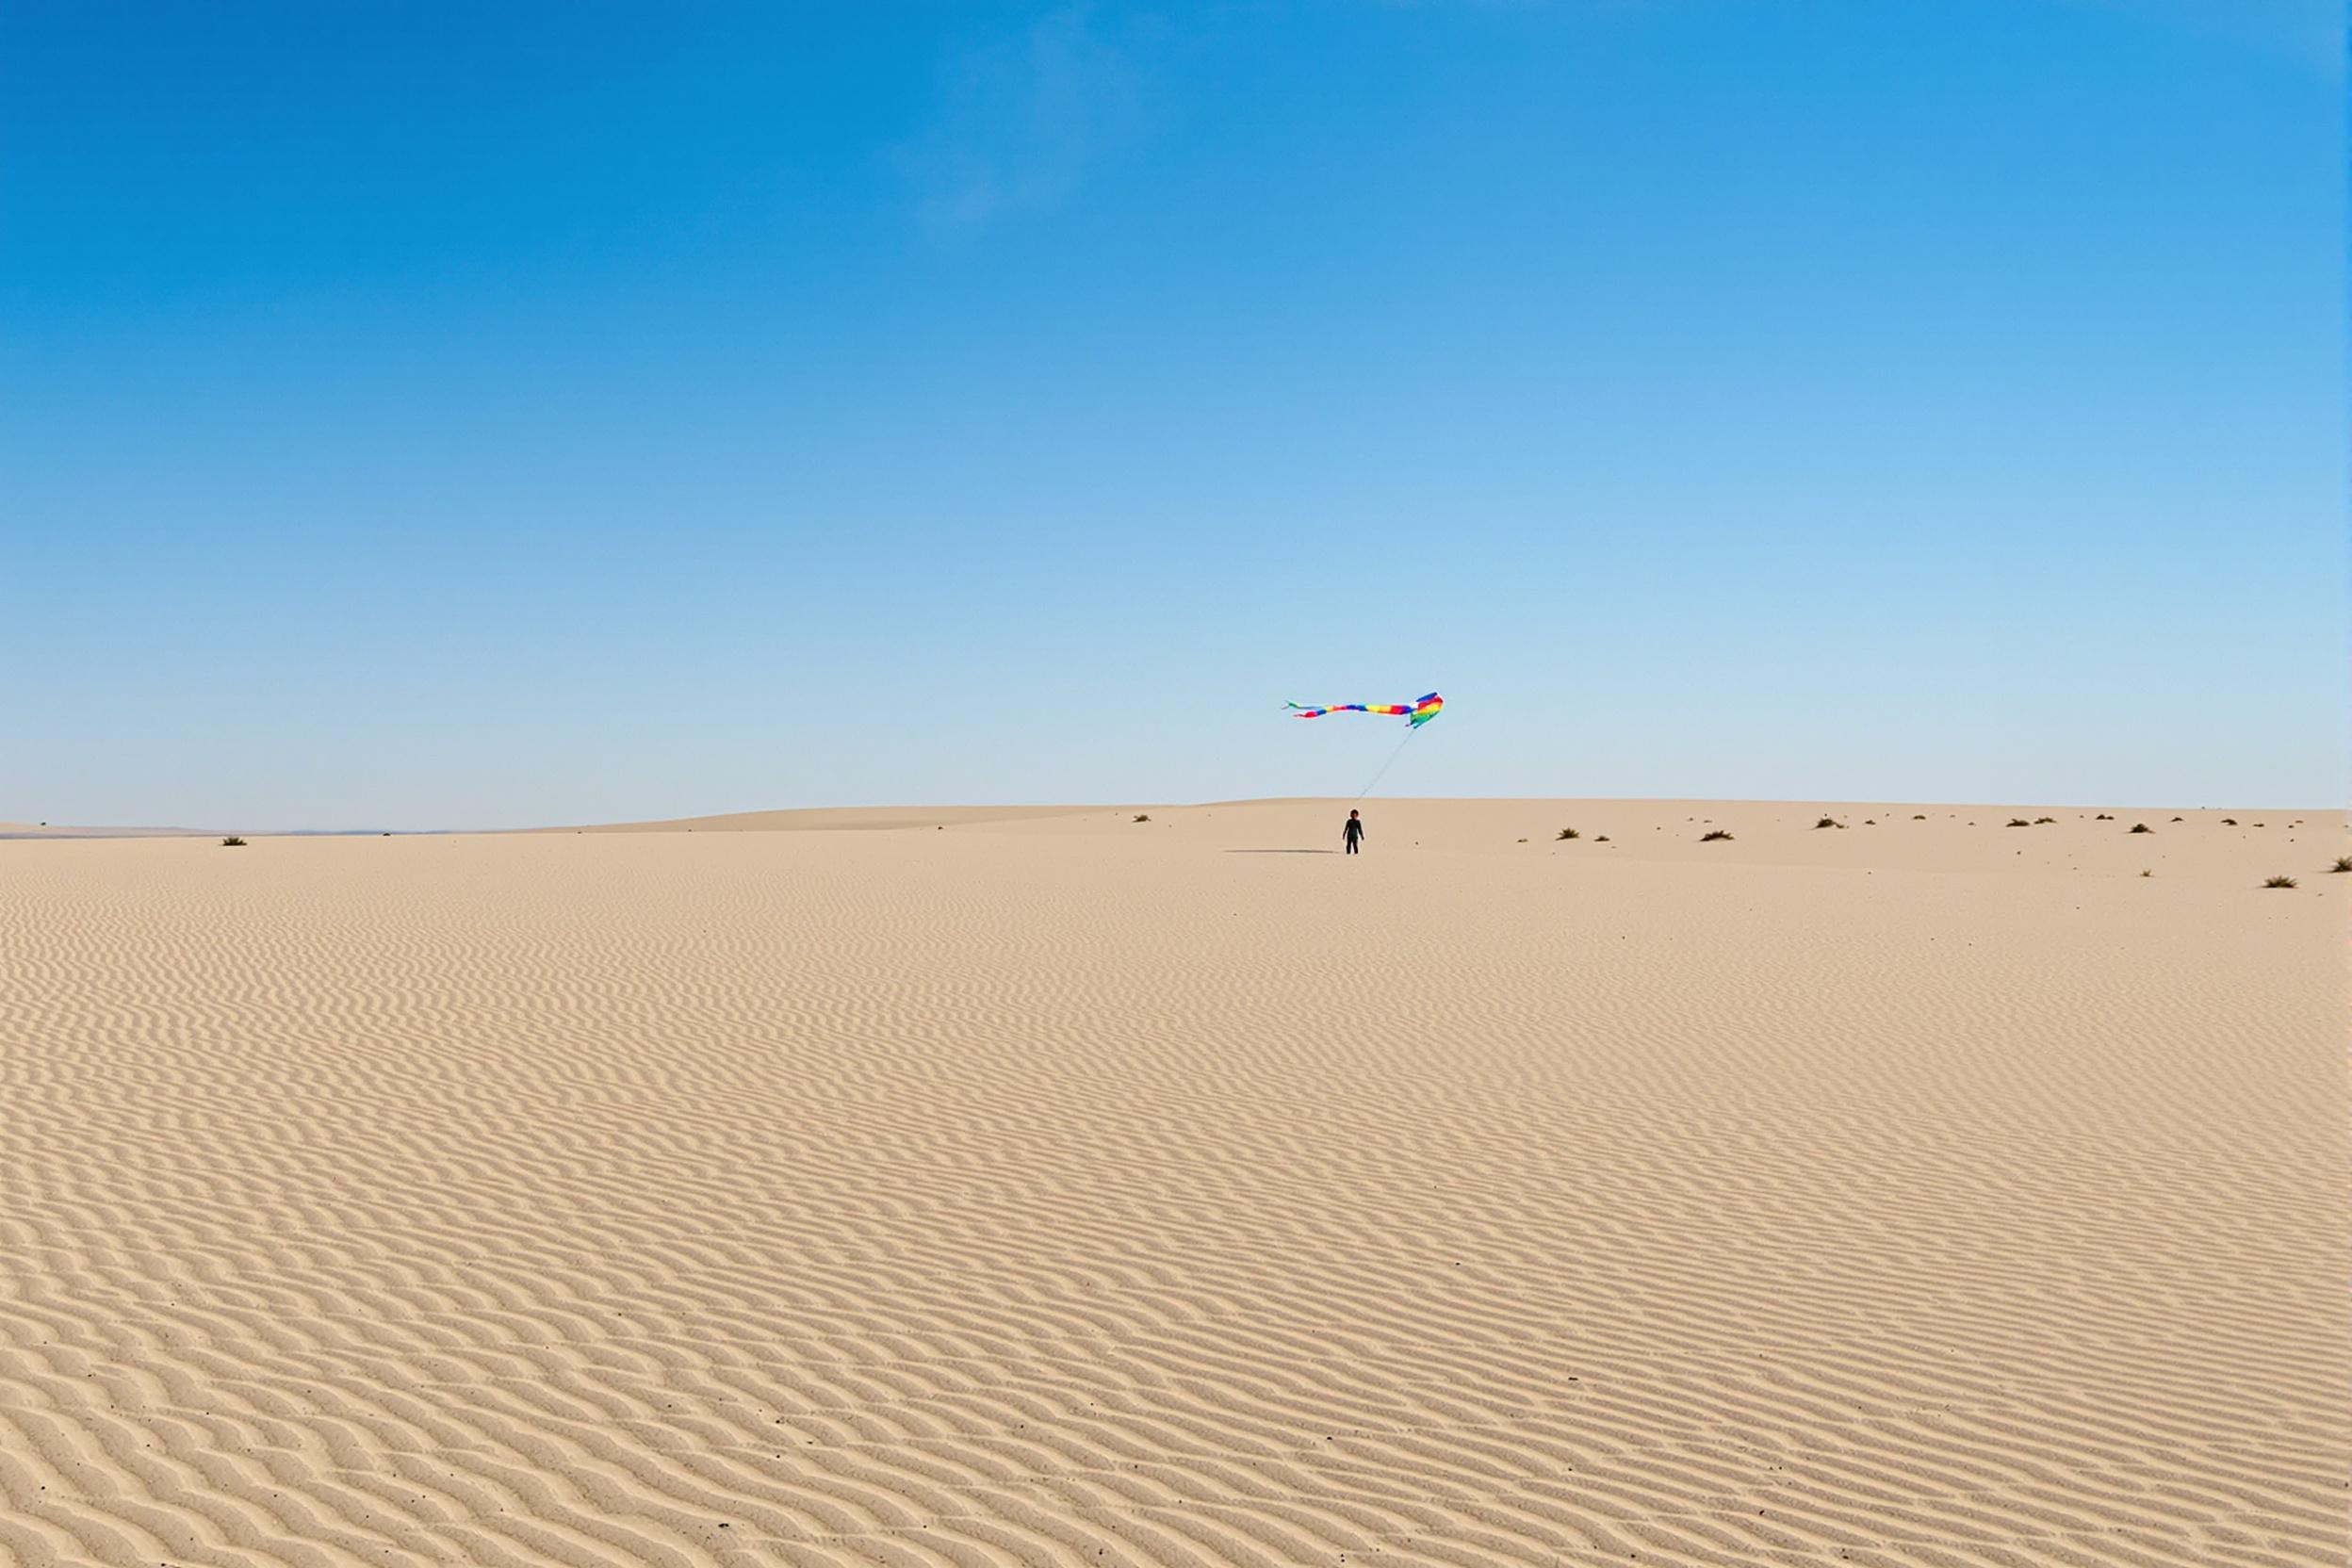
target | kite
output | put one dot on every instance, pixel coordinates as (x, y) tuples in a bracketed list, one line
[(1415, 713)]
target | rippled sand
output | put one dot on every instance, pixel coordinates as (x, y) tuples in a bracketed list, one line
[(1065, 1189)]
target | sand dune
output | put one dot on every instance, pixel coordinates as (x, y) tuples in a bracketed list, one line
[(1013, 1188), (840, 819), (44, 830)]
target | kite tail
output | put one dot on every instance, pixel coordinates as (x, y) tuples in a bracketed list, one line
[(1415, 714)]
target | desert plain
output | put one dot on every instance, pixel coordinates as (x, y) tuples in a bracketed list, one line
[(1156, 1186)]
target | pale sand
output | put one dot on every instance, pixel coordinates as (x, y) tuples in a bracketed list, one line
[(1061, 1188), (44, 830)]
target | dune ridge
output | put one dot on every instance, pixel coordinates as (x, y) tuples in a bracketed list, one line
[(837, 819), (1066, 1189)]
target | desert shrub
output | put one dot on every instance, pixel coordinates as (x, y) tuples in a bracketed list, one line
[(1143, 816), (2142, 828), (1602, 840), (1827, 822), (231, 843), (2019, 822), (2228, 822), (1711, 837), (2343, 862), (1567, 833), (2039, 821), (2279, 882)]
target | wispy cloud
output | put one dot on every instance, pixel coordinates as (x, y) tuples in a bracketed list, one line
[(1027, 119)]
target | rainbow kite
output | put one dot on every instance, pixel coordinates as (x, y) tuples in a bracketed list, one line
[(1416, 713)]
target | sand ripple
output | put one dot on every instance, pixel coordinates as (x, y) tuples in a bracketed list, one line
[(1049, 1193)]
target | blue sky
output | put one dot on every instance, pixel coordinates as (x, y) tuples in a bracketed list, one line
[(446, 416)]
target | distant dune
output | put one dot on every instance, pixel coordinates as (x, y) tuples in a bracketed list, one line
[(837, 818), (1009, 1185), (44, 830)]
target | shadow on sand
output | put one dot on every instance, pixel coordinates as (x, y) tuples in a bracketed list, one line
[(1282, 852)]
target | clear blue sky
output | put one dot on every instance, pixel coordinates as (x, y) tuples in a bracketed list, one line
[(458, 415)]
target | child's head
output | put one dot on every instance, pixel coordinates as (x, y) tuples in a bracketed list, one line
[(1351, 813)]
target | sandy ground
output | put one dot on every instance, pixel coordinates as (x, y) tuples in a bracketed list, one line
[(44, 830), (1002, 1187)]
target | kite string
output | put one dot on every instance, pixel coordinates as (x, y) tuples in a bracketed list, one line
[(1392, 758)]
